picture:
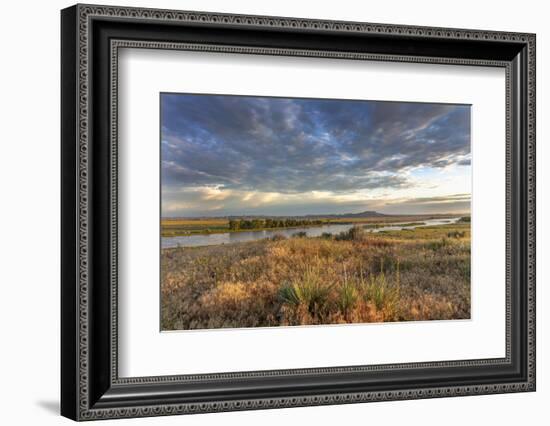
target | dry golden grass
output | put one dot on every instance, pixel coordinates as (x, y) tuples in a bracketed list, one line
[(194, 222), (420, 274), (173, 227)]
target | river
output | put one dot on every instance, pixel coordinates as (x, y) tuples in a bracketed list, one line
[(311, 231)]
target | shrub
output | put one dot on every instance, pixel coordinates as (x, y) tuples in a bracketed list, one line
[(238, 304), (356, 233), (456, 234), (437, 244)]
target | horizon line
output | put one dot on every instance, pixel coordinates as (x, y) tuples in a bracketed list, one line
[(319, 215)]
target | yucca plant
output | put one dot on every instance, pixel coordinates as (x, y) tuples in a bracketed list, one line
[(309, 292), (289, 295), (347, 298), (380, 292), (377, 290)]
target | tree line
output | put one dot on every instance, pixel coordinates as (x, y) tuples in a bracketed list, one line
[(237, 224)]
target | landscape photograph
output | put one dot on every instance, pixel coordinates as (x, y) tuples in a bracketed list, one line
[(308, 212)]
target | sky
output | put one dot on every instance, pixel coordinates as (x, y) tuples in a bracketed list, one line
[(241, 155)]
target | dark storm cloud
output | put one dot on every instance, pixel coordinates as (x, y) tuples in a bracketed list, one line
[(297, 145)]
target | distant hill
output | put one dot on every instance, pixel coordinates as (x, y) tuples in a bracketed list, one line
[(368, 213), (313, 216), (365, 214)]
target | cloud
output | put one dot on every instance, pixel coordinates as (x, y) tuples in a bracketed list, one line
[(435, 200), (206, 201), (456, 203), (294, 146)]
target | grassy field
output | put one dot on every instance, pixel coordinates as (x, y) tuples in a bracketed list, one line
[(174, 227), (420, 274), (190, 226)]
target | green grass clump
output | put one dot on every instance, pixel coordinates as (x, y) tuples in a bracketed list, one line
[(348, 295), (308, 292)]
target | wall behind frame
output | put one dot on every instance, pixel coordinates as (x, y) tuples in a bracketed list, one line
[(30, 226)]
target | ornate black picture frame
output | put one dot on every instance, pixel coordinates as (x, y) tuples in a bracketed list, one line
[(91, 387)]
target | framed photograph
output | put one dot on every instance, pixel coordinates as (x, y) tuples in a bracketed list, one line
[(263, 212)]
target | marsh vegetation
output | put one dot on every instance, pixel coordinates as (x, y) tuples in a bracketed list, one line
[(351, 277), (172, 227)]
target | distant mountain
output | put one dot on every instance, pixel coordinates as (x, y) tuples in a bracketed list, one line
[(313, 216), (365, 214), (368, 213)]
